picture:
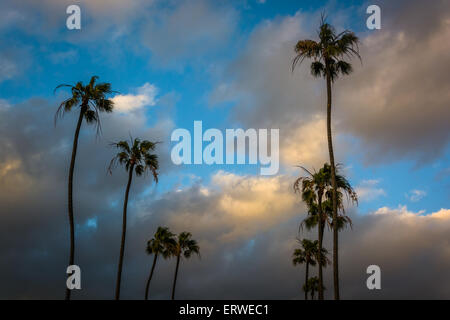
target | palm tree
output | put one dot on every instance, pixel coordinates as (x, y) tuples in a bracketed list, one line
[(163, 243), (185, 246), (312, 286), (328, 55), (90, 99), (343, 188), (306, 254), (316, 191), (312, 189), (137, 157)]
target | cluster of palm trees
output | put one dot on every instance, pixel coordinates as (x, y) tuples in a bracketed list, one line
[(308, 254), (166, 244), (316, 191), (136, 156), (322, 191)]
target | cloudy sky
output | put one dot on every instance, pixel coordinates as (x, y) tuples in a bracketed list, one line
[(226, 63)]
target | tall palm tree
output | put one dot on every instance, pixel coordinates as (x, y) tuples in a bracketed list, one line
[(328, 55), (306, 254), (137, 157), (316, 190), (90, 99), (185, 246), (163, 243)]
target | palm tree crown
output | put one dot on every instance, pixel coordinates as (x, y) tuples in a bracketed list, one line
[(138, 156), (329, 52), (186, 246), (312, 286), (309, 253), (91, 99), (306, 254), (163, 243), (318, 184)]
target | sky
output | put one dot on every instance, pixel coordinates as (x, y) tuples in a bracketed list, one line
[(227, 64)]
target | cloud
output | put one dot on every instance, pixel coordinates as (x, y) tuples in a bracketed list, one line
[(188, 31), (368, 190), (237, 207), (260, 78), (396, 103), (265, 93), (64, 57), (7, 68), (370, 105), (47, 18), (14, 60), (404, 244), (416, 195), (246, 226), (306, 145), (145, 96)]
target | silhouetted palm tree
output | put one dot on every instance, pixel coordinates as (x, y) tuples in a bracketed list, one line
[(316, 191), (185, 246), (163, 243), (312, 189), (312, 286), (307, 254), (90, 99), (328, 56), (137, 157)]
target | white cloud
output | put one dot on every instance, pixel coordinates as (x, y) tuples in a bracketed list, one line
[(8, 68), (401, 211), (233, 207), (306, 145), (416, 195), (64, 57), (145, 96), (368, 190)]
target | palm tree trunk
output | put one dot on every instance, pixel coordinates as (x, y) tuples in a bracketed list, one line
[(320, 238), (150, 276), (306, 280), (175, 279), (334, 196), (70, 190), (124, 230)]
